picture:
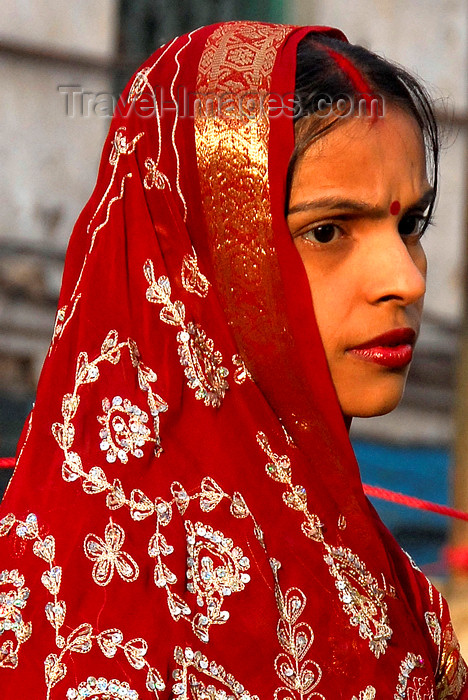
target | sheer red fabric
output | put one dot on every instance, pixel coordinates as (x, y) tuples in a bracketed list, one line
[(186, 518)]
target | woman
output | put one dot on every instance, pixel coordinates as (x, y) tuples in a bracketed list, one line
[(186, 518)]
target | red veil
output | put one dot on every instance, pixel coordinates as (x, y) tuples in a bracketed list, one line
[(187, 519)]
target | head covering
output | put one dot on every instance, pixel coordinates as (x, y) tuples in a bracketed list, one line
[(187, 519)]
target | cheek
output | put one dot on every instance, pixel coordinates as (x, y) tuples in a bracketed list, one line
[(331, 298)]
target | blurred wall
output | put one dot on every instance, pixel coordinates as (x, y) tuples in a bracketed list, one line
[(49, 161)]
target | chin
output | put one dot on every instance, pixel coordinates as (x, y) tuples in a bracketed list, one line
[(373, 401)]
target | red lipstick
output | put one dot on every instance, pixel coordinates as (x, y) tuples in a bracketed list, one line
[(393, 349)]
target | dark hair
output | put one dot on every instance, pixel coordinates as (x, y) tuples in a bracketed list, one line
[(329, 67)]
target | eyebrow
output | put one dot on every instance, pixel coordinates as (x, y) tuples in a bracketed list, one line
[(355, 205)]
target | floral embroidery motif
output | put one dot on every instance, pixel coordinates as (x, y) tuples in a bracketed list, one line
[(154, 177), (300, 677), (126, 439), (367, 694), (119, 439), (121, 145), (61, 320), (410, 662), (433, 626), (189, 686), (201, 363), (139, 83), (107, 556), (215, 569), (362, 598), (241, 373), (101, 687), (81, 639), (12, 602), (193, 280)]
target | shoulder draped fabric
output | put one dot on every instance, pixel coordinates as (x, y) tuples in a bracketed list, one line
[(186, 519)]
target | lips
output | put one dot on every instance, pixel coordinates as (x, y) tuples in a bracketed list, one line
[(393, 349)]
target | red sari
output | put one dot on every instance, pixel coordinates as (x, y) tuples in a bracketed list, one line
[(186, 519)]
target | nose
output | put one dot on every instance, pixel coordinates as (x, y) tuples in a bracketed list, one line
[(395, 269)]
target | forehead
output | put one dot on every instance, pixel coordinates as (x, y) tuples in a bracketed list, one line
[(372, 157)]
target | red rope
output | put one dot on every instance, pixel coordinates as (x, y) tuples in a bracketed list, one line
[(7, 462), (375, 491), (413, 502)]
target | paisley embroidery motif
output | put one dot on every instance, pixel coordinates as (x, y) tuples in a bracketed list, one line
[(189, 686), (201, 362), (215, 569), (362, 598), (102, 688), (193, 280), (241, 373)]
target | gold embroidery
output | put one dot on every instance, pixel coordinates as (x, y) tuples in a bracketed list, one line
[(119, 439), (367, 694), (190, 686), (215, 569), (109, 690), (121, 146), (64, 433), (82, 638), (362, 598), (12, 602), (202, 364), (452, 672), (107, 556), (154, 177), (342, 522), (300, 677), (408, 665), (241, 373), (433, 626), (61, 320), (192, 279), (174, 126), (232, 142)]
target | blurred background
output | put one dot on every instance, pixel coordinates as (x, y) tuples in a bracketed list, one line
[(56, 58)]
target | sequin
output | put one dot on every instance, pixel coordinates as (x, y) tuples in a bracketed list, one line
[(107, 556), (201, 362), (13, 630)]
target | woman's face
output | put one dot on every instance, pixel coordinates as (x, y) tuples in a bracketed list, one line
[(356, 211)]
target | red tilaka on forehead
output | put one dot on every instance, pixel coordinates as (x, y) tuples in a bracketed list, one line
[(357, 79), (395, 207)]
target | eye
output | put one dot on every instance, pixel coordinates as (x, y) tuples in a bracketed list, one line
[(412, 225), (325, 233)]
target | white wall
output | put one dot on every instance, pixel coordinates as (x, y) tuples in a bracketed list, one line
[(49, 159)]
